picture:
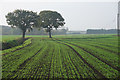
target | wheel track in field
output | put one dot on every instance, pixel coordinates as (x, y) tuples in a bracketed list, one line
[(19, 48), (103, 48), (65, 65), (108, 45), (116, 68), (24, 63), (75, 67), (96, 71), (50, 65), (67, 68), (101, 43), (44, 56), (78, 70)]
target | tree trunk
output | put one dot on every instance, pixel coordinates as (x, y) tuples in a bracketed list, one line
[(23, 35), (50, 34)]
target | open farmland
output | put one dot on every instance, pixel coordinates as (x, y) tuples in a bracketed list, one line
[(6, 38), (66, 56)]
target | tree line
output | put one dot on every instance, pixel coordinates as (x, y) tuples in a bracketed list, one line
[(102, 31), (6, 30), (27, 20)]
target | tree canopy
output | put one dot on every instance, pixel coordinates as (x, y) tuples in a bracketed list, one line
[(50, 19), (23, 19)]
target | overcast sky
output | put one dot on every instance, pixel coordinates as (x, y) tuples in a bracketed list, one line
[(79, 15)]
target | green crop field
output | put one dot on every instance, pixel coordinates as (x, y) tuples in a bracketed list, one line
[(63, 56), (10, 37)]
